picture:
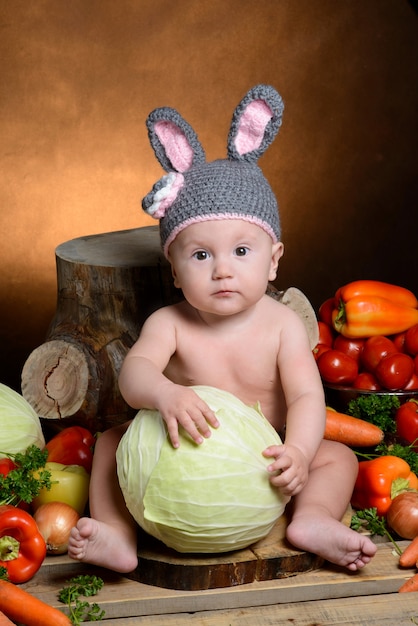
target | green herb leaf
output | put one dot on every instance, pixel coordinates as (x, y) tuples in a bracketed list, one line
[(3, 573), (403, 452), (376, 525), (377, 409), (24, 483), (81, 611)]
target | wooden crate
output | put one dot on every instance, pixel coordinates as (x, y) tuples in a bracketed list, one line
[(329, 595)]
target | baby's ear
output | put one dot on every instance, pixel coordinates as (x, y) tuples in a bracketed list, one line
[(174, 141), (255, 124)]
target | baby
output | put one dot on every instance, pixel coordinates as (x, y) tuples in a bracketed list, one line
[(220, 230)]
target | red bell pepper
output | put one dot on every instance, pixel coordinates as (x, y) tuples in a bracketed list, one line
[(376, 480), (22, 547), (72, 446), (406, 419), (394, 293), (368, 316)]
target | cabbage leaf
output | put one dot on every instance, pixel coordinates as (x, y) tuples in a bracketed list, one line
[(213, 497), (20, 426)]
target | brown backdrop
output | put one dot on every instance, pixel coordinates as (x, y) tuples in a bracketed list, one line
[(78, 79)]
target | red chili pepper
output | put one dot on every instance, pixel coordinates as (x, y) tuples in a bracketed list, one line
[(72, 446), (394, 293), (406, 418), (22, 547), (373, 488)]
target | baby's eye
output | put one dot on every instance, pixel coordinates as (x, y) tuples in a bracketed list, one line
[(241, 251), (201, 255)]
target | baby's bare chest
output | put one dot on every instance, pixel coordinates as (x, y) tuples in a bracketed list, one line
[(244, 364)]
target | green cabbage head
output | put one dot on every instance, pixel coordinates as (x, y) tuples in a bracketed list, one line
[(208, 498)]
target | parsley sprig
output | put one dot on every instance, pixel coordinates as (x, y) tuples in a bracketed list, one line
[(24, 482), (377, 409), (85, 586), (368, 519)]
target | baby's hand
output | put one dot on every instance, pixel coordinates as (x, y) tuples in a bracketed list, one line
[(181, 405), (289, 471)]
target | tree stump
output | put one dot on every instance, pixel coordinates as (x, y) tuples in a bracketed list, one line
[(107, 285)]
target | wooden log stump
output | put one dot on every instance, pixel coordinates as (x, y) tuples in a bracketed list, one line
[(107, 285)]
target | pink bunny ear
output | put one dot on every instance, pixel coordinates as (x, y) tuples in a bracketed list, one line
[(255, 124), (174, 141), (177, 148), (251, 126)]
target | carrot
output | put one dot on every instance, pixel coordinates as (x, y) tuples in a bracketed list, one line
[(409, 585), (20, 606), (4, 620), (409, 557), (351, 430)]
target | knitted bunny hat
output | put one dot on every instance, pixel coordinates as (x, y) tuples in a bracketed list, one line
[(233, 188)]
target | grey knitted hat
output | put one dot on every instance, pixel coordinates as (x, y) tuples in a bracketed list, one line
[(232, 188)]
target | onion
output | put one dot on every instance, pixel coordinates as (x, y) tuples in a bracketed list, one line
[(402, 516), (55, 521)]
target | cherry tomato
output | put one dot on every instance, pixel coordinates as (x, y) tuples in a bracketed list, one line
[(326, 335), (399, 341), (413, 383), (351, 347), (319, 349), (6, 465), (325, 311), (411, 340), (375, 348), (394, 371), (337, 368), (406, 419), (366, 381)]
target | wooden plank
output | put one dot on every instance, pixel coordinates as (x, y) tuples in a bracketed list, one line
[(124, 598), (385, 610)]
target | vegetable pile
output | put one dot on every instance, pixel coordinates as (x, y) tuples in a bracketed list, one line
[(43, 491), (368, 341), (368, 337)]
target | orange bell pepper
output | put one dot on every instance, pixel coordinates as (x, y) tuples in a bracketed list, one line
[(368, 316), (394, 293), (374, 484)]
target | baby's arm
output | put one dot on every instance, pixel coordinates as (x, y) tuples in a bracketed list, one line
[(305, 420), (143, 384)]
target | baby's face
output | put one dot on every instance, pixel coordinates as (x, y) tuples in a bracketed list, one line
[(223, 266)]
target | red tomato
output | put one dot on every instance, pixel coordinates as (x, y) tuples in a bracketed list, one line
[(319, 349), (6, 466), (375, 348), (366, 380), (325, 311), (399, 341), (416, 364), (394, 371), (411, 340), (326, 335), (351, 347), (337, 368), (413, 383), (407, 422)]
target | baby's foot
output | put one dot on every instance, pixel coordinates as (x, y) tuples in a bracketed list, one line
[(331, 540), (100, 544)]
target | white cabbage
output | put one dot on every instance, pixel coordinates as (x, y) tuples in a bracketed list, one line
[(20, 426), (206, 498)]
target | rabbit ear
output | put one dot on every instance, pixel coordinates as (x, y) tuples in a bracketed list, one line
[(173, 140), (255, 124)]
